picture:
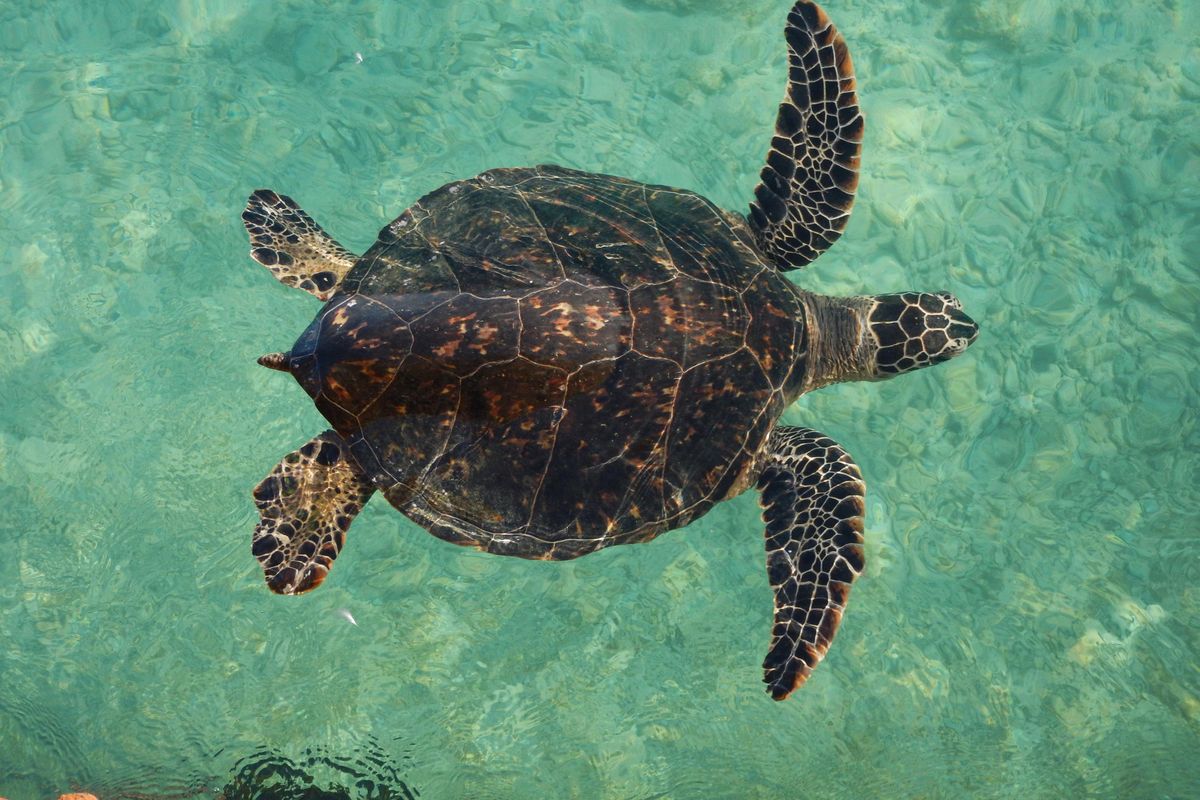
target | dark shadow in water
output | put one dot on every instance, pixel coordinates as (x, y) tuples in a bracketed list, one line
[(267, 775)]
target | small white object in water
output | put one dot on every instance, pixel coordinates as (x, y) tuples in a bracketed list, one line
[(345, 614), (358, 58)]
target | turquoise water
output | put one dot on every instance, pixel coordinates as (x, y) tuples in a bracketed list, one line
[(1028, 621)]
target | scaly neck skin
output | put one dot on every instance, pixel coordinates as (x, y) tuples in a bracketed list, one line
[(840, 348)]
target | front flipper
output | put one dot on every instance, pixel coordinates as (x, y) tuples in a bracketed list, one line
[(807, 187), (812, 501), (286, 241), (306, 505)]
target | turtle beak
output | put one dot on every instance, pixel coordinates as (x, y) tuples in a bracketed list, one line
[(279, 361), (962, 328)]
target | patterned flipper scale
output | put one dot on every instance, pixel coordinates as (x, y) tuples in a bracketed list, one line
[(812, 501), (803, 202), (286, 241), (306, 505)]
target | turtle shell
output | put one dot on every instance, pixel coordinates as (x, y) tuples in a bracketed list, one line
[(541, 362)]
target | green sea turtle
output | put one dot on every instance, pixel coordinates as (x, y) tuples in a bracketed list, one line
[(540, 362)]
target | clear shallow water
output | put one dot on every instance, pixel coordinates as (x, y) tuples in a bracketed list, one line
[(1028, 620)]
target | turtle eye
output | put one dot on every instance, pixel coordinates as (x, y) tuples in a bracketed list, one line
[(950, 300)]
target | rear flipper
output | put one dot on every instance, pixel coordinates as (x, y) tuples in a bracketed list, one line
[(306, 505), (286, 241), (812, 500)]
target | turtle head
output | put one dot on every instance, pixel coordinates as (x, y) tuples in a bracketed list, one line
[(873, 338), (914, 329)]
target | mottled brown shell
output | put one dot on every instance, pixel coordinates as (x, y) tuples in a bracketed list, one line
[(541, 362)]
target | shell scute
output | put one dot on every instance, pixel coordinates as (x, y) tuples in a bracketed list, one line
[(569, 324), (502, 438), (468, 332), (602, 235), (727, 402), (689, 321), (607, 454)]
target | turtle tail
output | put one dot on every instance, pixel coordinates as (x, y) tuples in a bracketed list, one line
[(278, 361)]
